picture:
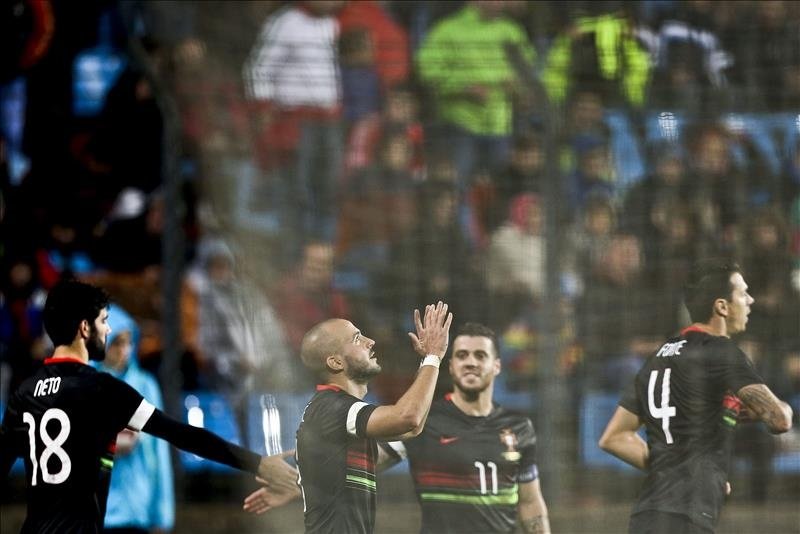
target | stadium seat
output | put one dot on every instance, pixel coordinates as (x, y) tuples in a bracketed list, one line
[(521, 401), (627, 154), (211, 411), (595, 411)]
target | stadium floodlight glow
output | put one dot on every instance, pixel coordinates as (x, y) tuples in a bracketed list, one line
[(271, 424), (667, 125)]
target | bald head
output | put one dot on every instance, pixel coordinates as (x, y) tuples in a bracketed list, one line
[(322, 340)]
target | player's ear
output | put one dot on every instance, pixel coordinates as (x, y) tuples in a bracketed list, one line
[(498, 365), (84, 329), (721, 307), (334, 363)]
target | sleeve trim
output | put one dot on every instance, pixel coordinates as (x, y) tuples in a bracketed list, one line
[(352, 415), (141, 415)]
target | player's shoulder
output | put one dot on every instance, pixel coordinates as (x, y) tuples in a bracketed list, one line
[(329, 398), (510, 417)]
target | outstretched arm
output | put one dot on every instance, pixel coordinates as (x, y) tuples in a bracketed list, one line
[(201, 442), (766, 407), (208, 445), (620, 438)]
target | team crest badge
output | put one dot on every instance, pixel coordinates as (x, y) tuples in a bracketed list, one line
[(509, 439)]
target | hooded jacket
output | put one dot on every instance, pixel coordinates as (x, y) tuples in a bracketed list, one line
[(142, 492)]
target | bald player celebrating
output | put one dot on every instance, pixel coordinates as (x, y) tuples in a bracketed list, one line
[(337, 442)]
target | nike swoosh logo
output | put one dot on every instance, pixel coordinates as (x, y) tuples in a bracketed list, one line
[(445, 440)]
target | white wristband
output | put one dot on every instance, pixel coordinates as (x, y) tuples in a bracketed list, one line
[(431, 359)]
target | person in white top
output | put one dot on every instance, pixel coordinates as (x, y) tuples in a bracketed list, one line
[(292, 78)]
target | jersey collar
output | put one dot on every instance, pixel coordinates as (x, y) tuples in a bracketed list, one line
[(64, 359), (693, 328), (323, 387)]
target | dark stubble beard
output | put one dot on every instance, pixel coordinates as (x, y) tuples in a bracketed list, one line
[(362, 373), (95, 346)]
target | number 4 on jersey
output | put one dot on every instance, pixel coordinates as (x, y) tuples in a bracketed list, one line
[(665, 411)]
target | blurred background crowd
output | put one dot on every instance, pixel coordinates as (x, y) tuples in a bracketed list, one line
[(550, 169)]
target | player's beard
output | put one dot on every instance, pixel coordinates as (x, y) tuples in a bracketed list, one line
[(362, 372), (472, 390), (95, 346)]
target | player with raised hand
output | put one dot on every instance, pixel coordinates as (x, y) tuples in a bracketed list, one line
[(689, 395), (337, 442), (64, 420)]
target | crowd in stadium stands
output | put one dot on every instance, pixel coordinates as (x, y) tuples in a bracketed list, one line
[(386, 154)]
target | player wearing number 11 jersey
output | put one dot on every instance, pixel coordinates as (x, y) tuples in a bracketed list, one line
[(63, 421), (474, 464), (689, 396)]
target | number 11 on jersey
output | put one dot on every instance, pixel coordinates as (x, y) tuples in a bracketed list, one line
[(665, 411)]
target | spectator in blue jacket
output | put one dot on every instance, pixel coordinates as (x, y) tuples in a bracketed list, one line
[(141, 497)]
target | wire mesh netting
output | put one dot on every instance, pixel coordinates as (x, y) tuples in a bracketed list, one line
[(233, 173)]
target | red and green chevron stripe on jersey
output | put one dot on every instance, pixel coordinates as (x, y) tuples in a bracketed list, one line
[(360, 473), (448, 487), (504, 497)]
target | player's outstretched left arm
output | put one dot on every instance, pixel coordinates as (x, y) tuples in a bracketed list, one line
[(620, 439), (532, 509), (281, 476)]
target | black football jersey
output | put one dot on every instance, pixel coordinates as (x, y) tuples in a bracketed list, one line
[(63, 421), (466, 469), (336, 462), (684, 393)]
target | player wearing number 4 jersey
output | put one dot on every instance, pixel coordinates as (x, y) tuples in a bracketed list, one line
[(63, 421), (689, 395)]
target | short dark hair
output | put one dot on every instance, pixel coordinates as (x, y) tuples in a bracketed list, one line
[(710, 280), (69, 303), (479, 330)]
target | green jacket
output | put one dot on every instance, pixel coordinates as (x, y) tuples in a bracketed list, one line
[(465, 50), (619, 57)]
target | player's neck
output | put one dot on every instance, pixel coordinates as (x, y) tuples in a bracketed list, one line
[(72, 351), (353, 388), (716, 326), (479, 405)]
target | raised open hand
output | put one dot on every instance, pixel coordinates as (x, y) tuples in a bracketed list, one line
[(433, 330)]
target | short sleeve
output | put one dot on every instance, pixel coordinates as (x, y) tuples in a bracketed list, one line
[(124, 406), (342, 414), (630, 400), (733, 368)]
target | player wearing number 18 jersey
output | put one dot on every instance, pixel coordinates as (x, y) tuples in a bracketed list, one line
[(63, 421), (69, 414), (689, 395)]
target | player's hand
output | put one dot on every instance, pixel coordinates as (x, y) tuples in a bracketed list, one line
[(126, 441), (433, 330), (277, 475), (265, 499)]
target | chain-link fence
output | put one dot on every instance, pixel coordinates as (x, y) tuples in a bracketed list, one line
[(550, 169)]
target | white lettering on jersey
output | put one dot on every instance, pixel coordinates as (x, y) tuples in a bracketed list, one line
[(670, 349), (47, 386)]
